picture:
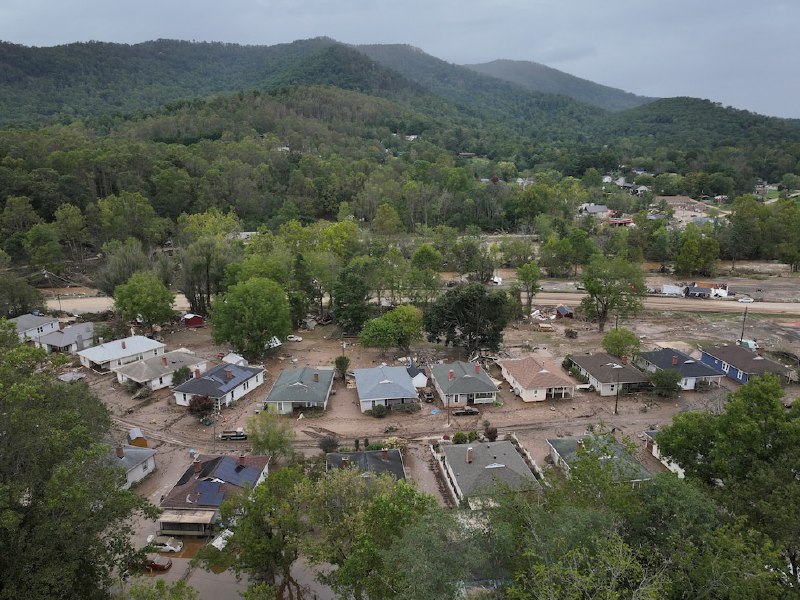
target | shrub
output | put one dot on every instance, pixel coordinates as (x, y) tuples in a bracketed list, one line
[(407, 408), (329, 443), (181, 375), (379, 411), (472, 436), (490, 433), (460, 437), (200, 406)]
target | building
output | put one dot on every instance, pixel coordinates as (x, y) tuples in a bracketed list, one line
[(417, 376), (32, 327), (136, 438), (105, 357), (595, 210), (224, 384), (740, 363), (606, 373), (137, 462), (193, 320), (461, 383), (69, 340), (691, 371), (384, 386), (309, 387), (534, 379), (191, 507), (564, 312), (483, 468), (374, 462), (156, 372), (652, 447), (625, 468)]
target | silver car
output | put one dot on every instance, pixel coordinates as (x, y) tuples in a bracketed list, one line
[(164, 543)]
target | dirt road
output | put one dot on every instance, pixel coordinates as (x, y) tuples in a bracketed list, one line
[(96, 304)]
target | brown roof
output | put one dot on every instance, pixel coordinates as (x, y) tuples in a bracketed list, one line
[(746, 360), (532, 373), (608, 369)]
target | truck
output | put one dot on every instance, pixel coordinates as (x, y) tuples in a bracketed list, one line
[(233, 435)]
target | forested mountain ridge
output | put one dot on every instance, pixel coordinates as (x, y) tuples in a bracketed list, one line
[(541, 78)]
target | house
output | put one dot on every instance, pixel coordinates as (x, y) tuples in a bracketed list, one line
[(418, 377), (564, 312), (375, 462), (137, 462), (136, 438), (193, 320), (691, 371), (70, 340), (32, 327), (482, 468), (104, 357), (652, 447), (606, 373), (224, 384), (386, 386), (156, 372), (595, 210), (235, 359), (460, 383), (625, 468), (740, 363), (309, 387), (534, 380), (191, 507)]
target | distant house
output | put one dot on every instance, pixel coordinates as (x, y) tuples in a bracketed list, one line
[(137, 462), (534, 380), (386, 386), (193, 320), (418, 377), (374, 462), (70, 340), (606, 372), (461, 383), (482, 468), (307, 387), (156, 372), (625, 468), (32, 327), (740, 364), (104, 357), (224, 384), (595, 210), (192, 506), (691, 371)]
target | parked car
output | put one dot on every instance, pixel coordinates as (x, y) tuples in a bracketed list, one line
[(164, 543), (466, 412), (293, 338), (157, 562), (746, 299), (233, 435), (427, 394)]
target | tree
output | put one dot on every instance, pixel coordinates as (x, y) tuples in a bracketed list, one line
[(328, 443), (528, 277), (122, 261), (43, 247), (467, 316), (557, 256), (181, 375), (17, 296), (271, 435), (341, 363), (144, 295), (387, 221), (250, 315), (350, 294), (129, 215), (378, 333), (621, 342), (612, 286), (71, 227), (202, 270), (201, 406), (160, 590), (666, 382)]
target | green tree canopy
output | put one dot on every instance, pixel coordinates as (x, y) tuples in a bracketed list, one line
[(613, 286), (144, 295), (621, 342)]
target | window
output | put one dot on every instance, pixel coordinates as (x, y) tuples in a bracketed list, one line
[(740, 375), (146, 466), (160, 380)]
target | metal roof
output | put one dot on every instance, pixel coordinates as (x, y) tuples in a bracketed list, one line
[(151, 368), (103, 353)]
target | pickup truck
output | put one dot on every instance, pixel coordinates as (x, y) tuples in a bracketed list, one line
[(233, 435), (466, 412)]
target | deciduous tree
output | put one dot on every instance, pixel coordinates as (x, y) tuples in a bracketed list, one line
[(612, 287), (144, 295)]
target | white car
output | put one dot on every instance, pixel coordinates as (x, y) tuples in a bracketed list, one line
[(746, 299), (164, 543), (293, 338)]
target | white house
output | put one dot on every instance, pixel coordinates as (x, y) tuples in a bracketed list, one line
[(32, 327), (307, 387), (71, 339), (610, 375), (534, 380), (137, 462), (156, 372), (224, 384), (386, 386), (652, 446), (418, 377), (105, 357), (691, 371), (460, 383)]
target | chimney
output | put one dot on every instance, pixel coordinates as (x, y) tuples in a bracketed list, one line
[(674, 359), (241, 461), (316, 377), (384, 454), (477, 369), (197, 465), (120, 452), (452, 374), (123, 345), (229, 373), (164, 360), (469, 455), (197, 373), (345, 462), (624, 360)]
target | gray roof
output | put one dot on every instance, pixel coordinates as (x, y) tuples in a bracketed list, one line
[(625, 467), (151, 368), (298, 385), (133, 456), (381, 383), (608, 369), (370, 461), (745, 360), (686, 365), (594, 209), (25, 322), (493, 464), (69, 335), (109, 351), (465, 379), (215, 383)]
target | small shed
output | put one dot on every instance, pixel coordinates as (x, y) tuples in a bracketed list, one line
[(193, 320), (564, 312), (136, 438)]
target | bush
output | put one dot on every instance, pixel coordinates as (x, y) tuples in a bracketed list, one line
[(490, 433), (407, 408), (460, 437), (378, 412), (472, 436), (181, 375), (329, 443)]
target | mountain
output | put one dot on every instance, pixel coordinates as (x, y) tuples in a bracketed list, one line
[(537, 77)]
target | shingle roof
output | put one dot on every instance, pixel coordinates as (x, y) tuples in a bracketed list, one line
[(132, 457), (25, 322), (381, 383), (745, 360), (370, 461), (154, 367), (625, 466), (215, 383), (69, 335), (493, 464), (113, 350), (531, 373), (686, 365), (608, 369), (298, 385), (465, 379)]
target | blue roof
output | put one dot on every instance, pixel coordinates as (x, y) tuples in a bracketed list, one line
[(209, 493)]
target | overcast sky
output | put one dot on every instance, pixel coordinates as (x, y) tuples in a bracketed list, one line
[(742, 53)]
